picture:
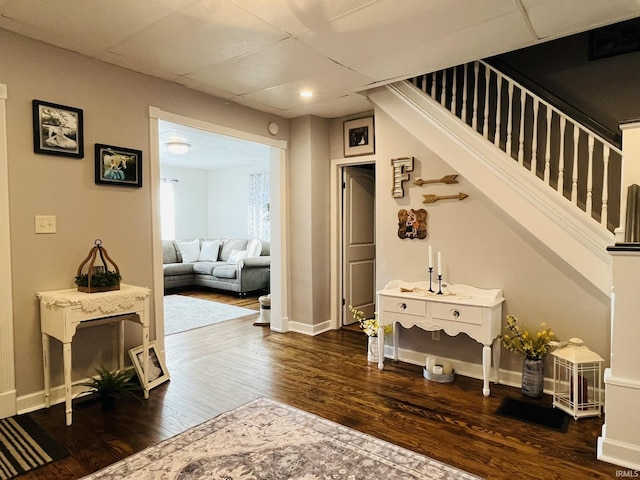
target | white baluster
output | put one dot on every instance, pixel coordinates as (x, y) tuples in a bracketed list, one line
[(523, 100), (547, 155), (509, 119), (496, 137), (589, 203), (606, 153), (432, 92), (563, 125), (454, 85), (534, 140), (574, 175), (487, 83), (463, 114), (424, 83), (474, 120), (443, 89)]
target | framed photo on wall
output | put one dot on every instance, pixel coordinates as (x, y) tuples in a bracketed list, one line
[(118, 166), (359, 137), (57, 130), (158, 372)]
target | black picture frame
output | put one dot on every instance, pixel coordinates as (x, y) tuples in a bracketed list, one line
[(359, 137), (118, 166), (57, 130), (158, 370)]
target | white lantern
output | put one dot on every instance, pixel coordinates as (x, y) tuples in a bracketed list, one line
[(577, 375)]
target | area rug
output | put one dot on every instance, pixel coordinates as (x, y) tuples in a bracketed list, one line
[(24, 446), (182, 313), (540, 415), (267, 440)]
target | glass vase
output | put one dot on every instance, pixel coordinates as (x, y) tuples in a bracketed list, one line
[(372, 349), (532, 378)]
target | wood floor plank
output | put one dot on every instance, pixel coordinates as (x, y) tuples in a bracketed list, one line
[(217, 368)]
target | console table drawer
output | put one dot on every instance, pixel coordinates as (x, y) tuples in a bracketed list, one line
[(407, 306), (457, 313)]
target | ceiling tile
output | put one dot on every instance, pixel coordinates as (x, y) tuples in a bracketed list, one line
[(335, 108), (283, 62), (202, 34)]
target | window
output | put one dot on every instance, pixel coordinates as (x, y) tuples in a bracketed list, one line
[(259, 206), (167, 211)]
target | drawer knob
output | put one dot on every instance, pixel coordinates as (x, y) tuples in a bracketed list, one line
[(403, 306), (456, 313)]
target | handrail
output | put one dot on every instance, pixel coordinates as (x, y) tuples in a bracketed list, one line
[(569, 157)]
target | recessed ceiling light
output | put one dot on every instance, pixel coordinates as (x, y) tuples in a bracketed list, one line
[(306, 93)]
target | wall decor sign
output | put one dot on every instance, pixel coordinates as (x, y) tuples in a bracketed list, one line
[(359, 137), (57, 130), (400, 166), (412, 223), (118, 166)]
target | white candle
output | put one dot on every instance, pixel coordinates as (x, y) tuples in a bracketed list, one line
[(430, 258), (439, 264), (447, 369), (431, 362), (437, 370)]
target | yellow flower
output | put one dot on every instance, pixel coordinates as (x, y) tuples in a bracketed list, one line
[(521, 341)]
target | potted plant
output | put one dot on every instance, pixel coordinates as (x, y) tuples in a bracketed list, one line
[(370, 327), (109, 385), (534, 348)]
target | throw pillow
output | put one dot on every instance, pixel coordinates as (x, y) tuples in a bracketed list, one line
[(190, 250), (236, 256), (209, 251), (254, 248)]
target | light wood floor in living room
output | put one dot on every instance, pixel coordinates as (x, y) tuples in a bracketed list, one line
[(217, 368)]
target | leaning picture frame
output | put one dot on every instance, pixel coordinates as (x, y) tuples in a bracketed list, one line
[(359, 137), (57, 130), (118, 165), (158, 372)]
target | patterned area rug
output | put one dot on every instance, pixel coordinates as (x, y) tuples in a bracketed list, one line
[(182, 313), (24, 446), (266, 440)]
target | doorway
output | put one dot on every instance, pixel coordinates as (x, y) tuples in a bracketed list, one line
[(277, 168)]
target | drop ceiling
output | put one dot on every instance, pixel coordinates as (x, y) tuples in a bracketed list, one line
[(261, 53)]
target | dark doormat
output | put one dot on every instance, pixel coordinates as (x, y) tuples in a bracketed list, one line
[(25, 446), (547, 417)]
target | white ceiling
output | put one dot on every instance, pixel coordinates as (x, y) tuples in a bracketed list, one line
[(260, 53)]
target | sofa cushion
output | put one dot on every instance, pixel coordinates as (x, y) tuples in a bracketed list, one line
[(169, 253), (226, 271), (236, 255), (209, 251), (190, 250), (177, 269), (254, 247), (205, 268), (232, 244)]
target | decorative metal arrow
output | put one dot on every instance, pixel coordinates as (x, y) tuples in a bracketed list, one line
[(435, 198), (448, 179)]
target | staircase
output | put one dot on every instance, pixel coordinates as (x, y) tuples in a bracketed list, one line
[(557, 178)]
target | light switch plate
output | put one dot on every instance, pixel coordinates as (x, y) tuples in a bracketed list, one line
[(45, 224)]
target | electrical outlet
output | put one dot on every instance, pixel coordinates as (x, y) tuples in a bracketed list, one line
[(45, 224), (435, 335)]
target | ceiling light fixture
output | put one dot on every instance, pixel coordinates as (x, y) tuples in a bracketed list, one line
[(306, 93), (178, 148)]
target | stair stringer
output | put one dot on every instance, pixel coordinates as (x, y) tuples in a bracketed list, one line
[(576, 238)]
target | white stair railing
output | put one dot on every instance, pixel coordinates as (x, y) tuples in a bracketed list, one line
[(578, 163)]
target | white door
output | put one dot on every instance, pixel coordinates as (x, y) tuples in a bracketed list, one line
[(358, 241)]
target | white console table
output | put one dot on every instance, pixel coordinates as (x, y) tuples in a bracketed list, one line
[(460, 309), (63, 311)]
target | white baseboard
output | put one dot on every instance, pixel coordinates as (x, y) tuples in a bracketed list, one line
[(307, 329), (7, 404)]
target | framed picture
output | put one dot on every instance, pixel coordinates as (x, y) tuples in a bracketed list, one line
[(57, 130), (158, 372), (359, 137), (118, 166)]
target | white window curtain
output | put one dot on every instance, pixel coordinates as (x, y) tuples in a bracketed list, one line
[(259, 204), (167, 209)]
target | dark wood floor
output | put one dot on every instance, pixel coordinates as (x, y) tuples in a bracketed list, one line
[(217, 368)]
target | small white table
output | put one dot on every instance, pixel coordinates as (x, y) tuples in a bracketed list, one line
[(461, 309), (63, 311)]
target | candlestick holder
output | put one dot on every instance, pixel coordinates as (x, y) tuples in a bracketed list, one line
[(439, 285), (430, 275)]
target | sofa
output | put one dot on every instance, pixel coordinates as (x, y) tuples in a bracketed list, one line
[(238, 265)]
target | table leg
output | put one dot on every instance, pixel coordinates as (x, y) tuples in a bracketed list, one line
[(121, 345), (486, 366), (396, 341), (47, 369), (496, 359), (66, 354), (380, 347), (145, 360)]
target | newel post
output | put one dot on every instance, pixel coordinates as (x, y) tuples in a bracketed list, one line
[(630, 176)]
